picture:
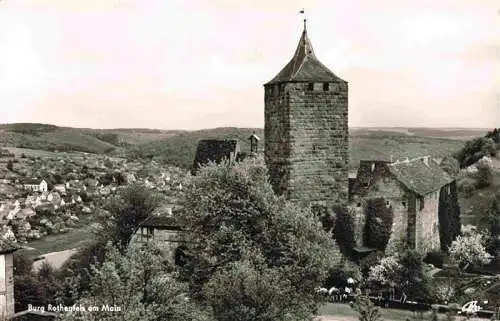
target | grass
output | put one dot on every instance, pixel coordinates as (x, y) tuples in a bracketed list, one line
[(343, 312), (59, 242)]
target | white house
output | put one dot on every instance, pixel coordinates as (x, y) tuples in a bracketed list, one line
[(61, 188), (35, 185)]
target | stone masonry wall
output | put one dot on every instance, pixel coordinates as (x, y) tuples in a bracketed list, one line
[(169, 241), (9, 278), (391, 192), (277, 137), (427, 224), (307, 141)]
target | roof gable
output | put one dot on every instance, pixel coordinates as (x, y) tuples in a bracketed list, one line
[(420, 175)]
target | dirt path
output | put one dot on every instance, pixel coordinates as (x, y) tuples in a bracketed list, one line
[(56, 259)]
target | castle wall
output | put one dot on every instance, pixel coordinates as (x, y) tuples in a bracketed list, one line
[(167, 240), (9, 277), (388, 189), (307, 142), (276, 133), (427, 223)]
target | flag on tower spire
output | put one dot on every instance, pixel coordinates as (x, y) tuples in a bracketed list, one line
[(302, 12)]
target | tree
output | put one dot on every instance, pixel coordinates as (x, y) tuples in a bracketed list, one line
[(344, 231), (449, 216), (474, 150), (378, 226), (415, 282), (138, 284), (491, 221), (238, 229), (123, 214), (387, 274), (450, 165), (366, 309), (484, 176), (116, 225), (469, 250)]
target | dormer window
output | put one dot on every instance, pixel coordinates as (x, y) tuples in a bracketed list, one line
[(310, 86), (326, 86)]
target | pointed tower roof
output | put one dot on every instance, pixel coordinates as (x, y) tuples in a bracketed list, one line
[(304, 66)]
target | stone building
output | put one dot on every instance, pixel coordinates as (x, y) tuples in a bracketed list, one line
[(8, 245), (413, 189), (306, 130), (215, 150), (161, 229)]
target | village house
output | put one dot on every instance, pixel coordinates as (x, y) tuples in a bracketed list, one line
[(61, 188), (35, 185), (413, 189), (24, 213)]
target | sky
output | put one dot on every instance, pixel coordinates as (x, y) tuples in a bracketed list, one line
[(193, 64)]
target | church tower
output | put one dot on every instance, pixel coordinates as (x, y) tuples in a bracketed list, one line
[(306, 130)]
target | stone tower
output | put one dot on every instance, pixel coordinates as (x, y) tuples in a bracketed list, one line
[(306, 131)]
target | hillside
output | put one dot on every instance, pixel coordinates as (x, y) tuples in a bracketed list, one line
[(97, 141), (180, 149), (177, 147)]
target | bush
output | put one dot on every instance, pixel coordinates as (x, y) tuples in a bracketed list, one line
[(474, 150), (378, 227), (484, 176), (435, 258), (466, 185), (370, 260), (343, 231)]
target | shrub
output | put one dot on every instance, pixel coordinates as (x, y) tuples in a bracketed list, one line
[(378, 228), (450, 165), (449, 217), (474, 150), (366, 309), (435, 258), (466, 185), (484, 176), (344, 231), (370, 260)]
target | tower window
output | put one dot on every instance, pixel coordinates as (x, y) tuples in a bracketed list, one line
[(326, 86), (310, 86)]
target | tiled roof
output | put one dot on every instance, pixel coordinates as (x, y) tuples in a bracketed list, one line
[(304, 66), (214, 150), (422, 177), (31, 181)]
